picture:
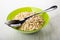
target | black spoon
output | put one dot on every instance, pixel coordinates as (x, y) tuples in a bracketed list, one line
[(17, 23)]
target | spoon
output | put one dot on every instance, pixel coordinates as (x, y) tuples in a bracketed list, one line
[(17, 23)]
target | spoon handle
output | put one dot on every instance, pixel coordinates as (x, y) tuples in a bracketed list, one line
[(46, 10), (50, 9)]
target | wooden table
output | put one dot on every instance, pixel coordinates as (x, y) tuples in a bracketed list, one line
[(49, 32)]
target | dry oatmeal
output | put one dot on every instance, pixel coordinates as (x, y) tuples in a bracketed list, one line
[(30, 24)]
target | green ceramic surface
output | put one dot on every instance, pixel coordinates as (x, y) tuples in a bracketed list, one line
[(29, 9)]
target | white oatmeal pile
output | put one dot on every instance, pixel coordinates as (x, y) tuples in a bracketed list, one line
[(30, 24)]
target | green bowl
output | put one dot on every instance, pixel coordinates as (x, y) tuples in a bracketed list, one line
[(44, 15)]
